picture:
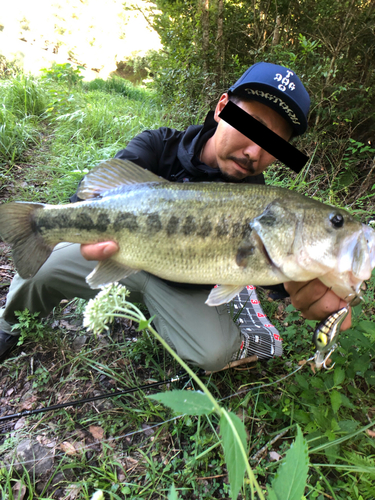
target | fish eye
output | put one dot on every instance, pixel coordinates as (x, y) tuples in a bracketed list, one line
[(337, 220)]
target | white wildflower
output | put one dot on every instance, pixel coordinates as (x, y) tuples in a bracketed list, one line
[(100, 311), (109, 303)]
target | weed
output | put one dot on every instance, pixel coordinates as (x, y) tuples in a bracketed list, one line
[(63, 73), (29, 326)]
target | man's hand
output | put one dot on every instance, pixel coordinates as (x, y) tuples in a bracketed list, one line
[(99, 251), (316, 301)]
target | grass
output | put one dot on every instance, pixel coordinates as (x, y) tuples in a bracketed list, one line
[(53, 134)]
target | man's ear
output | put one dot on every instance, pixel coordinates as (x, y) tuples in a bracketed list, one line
[(220, 106)]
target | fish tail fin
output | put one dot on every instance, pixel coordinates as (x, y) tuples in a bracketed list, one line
[(18, 228)]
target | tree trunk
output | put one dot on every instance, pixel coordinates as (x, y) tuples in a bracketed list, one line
[(277, 32), (220, 48), (205, 20)]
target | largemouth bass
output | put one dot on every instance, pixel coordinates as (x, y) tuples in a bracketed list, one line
[(201, 233)]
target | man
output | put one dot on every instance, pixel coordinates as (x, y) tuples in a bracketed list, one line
[(215, 152)]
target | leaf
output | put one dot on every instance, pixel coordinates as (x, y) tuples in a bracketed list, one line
[(370, 377), (144, 324), (302, 381), (367, 327), (335, 400), (232, 431), (68, 448), (188, 402), (338, 376), (291, 477), (345, 401), (172, 495), (18, 490), (96, 432), (271, 494)]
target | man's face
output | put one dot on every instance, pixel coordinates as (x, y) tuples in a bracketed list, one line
[(237, 156)]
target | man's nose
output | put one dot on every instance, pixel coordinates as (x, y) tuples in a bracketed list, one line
[(253, 151)]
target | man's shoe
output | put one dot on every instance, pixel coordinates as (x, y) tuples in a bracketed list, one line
[(259, 336), (7, 343)]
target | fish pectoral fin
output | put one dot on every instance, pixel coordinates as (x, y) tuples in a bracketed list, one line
[(223, 294), (108, 271), (112, 174)]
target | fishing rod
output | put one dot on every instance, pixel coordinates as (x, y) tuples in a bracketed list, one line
[(177, 378)]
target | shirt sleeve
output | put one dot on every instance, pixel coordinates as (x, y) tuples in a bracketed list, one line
[(145, 150)]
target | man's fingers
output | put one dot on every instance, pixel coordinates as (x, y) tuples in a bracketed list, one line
[(99, 251), (305, 293), (316, 301)]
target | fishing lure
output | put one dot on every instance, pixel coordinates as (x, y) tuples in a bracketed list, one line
[(325, 337)]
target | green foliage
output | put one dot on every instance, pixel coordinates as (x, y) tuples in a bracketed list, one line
[(189, 403), (23, 101), (290, 480), (29, 326), (172, 495), (15, 137), (116, 85), (234, 441), (63, 73), (24, 96)]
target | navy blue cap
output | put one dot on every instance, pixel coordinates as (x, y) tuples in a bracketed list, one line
[(280, 89)]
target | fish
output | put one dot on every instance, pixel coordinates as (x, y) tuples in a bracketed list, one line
[(230, 234)]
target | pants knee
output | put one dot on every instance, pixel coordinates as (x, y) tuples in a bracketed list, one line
[(212, 359)]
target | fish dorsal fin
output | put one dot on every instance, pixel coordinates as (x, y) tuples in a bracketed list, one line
[(112, 174)]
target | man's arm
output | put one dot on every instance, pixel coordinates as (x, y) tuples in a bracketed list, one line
[(316, 301)]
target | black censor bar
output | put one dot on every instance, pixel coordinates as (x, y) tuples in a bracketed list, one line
[(264, 137)]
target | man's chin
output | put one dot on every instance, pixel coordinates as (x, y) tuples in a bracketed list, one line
[(232, 178)]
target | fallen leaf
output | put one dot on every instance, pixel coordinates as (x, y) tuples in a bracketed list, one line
[(45, 441), (148, 430), (274, 456), (68, 448), (73, 491), (96, 432), (20, 423), (19, 490)]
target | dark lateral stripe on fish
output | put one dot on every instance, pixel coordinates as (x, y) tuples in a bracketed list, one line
[(81, 220), (126, 220), (187, 226)]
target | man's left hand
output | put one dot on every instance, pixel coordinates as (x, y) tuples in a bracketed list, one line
[(316, 301)]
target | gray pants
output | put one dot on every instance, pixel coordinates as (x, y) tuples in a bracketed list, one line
[(203, 336)]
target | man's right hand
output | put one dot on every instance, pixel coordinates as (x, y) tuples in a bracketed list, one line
[(99, 251)]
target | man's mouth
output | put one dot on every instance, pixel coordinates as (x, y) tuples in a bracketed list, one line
[(244, 165)]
